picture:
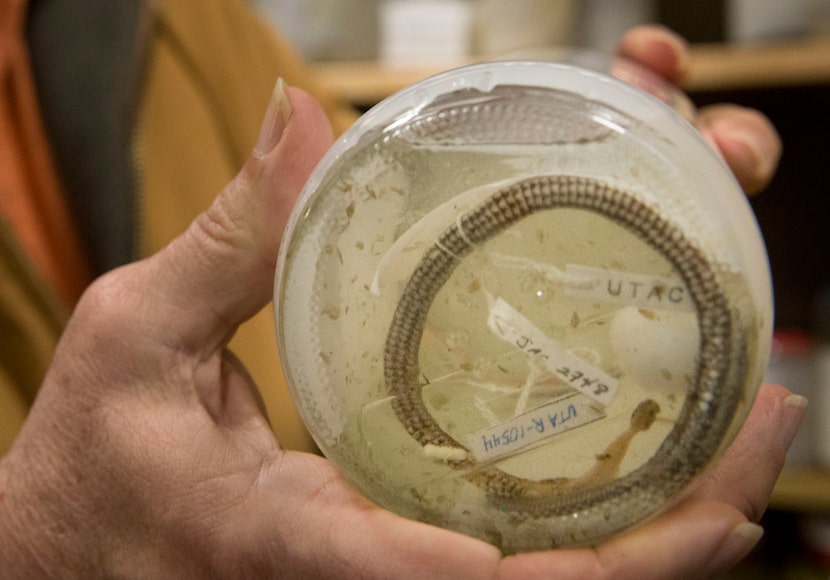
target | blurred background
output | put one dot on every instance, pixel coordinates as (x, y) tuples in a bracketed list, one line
[(418, 30), (773, 55)]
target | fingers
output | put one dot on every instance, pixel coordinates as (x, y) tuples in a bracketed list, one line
[(658, 49), (691, 541), (746, 140), (221, 271), (694, 540), (711, 529), (746, 474)]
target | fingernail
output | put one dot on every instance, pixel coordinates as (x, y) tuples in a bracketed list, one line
[(275, 121), (795, 406), (737, 545), (673, 55), (752, 157), (748, 534)]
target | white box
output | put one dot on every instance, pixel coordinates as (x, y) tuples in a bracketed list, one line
[(424, 31)]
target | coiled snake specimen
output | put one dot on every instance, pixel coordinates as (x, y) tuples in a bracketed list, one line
[(711, 400)]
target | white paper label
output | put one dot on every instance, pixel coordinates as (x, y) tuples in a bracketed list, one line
[(641, 290), (509, 325), (542, 423)]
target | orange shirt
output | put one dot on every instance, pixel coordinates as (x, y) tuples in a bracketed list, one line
[(31, 197)]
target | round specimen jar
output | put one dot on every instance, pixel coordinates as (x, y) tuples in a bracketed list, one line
[(523, 301)]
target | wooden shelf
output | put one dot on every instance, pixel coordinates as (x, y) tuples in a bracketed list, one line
[(366, 82), (802, 490), (720, 67), (714, 67)]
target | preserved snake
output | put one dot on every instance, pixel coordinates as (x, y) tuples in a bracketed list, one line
[(711, 400)]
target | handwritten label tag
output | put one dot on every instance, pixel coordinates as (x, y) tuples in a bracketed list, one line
[(541, 423), (602, 285), (512, 327)]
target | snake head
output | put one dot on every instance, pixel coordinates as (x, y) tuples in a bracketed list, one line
[(644, 415)]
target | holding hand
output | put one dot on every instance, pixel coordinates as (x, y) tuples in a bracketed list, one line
[(744, 137), (147, 452)]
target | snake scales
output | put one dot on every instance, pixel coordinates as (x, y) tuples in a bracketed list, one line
[(711, 400)]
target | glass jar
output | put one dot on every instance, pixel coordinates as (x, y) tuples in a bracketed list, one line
[(524, 301)]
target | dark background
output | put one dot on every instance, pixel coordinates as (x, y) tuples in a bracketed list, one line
[(794, 212)]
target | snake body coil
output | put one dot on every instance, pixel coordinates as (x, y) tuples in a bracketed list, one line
[(711, 400)]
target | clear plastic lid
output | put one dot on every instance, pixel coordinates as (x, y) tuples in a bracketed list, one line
[(524, 301)]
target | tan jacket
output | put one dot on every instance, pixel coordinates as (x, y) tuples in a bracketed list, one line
[(207, 72)]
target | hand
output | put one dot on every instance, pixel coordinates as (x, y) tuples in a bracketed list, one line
[(147, 454), (744, 137)]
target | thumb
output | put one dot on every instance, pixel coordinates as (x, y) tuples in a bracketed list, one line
[(220, 272)]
